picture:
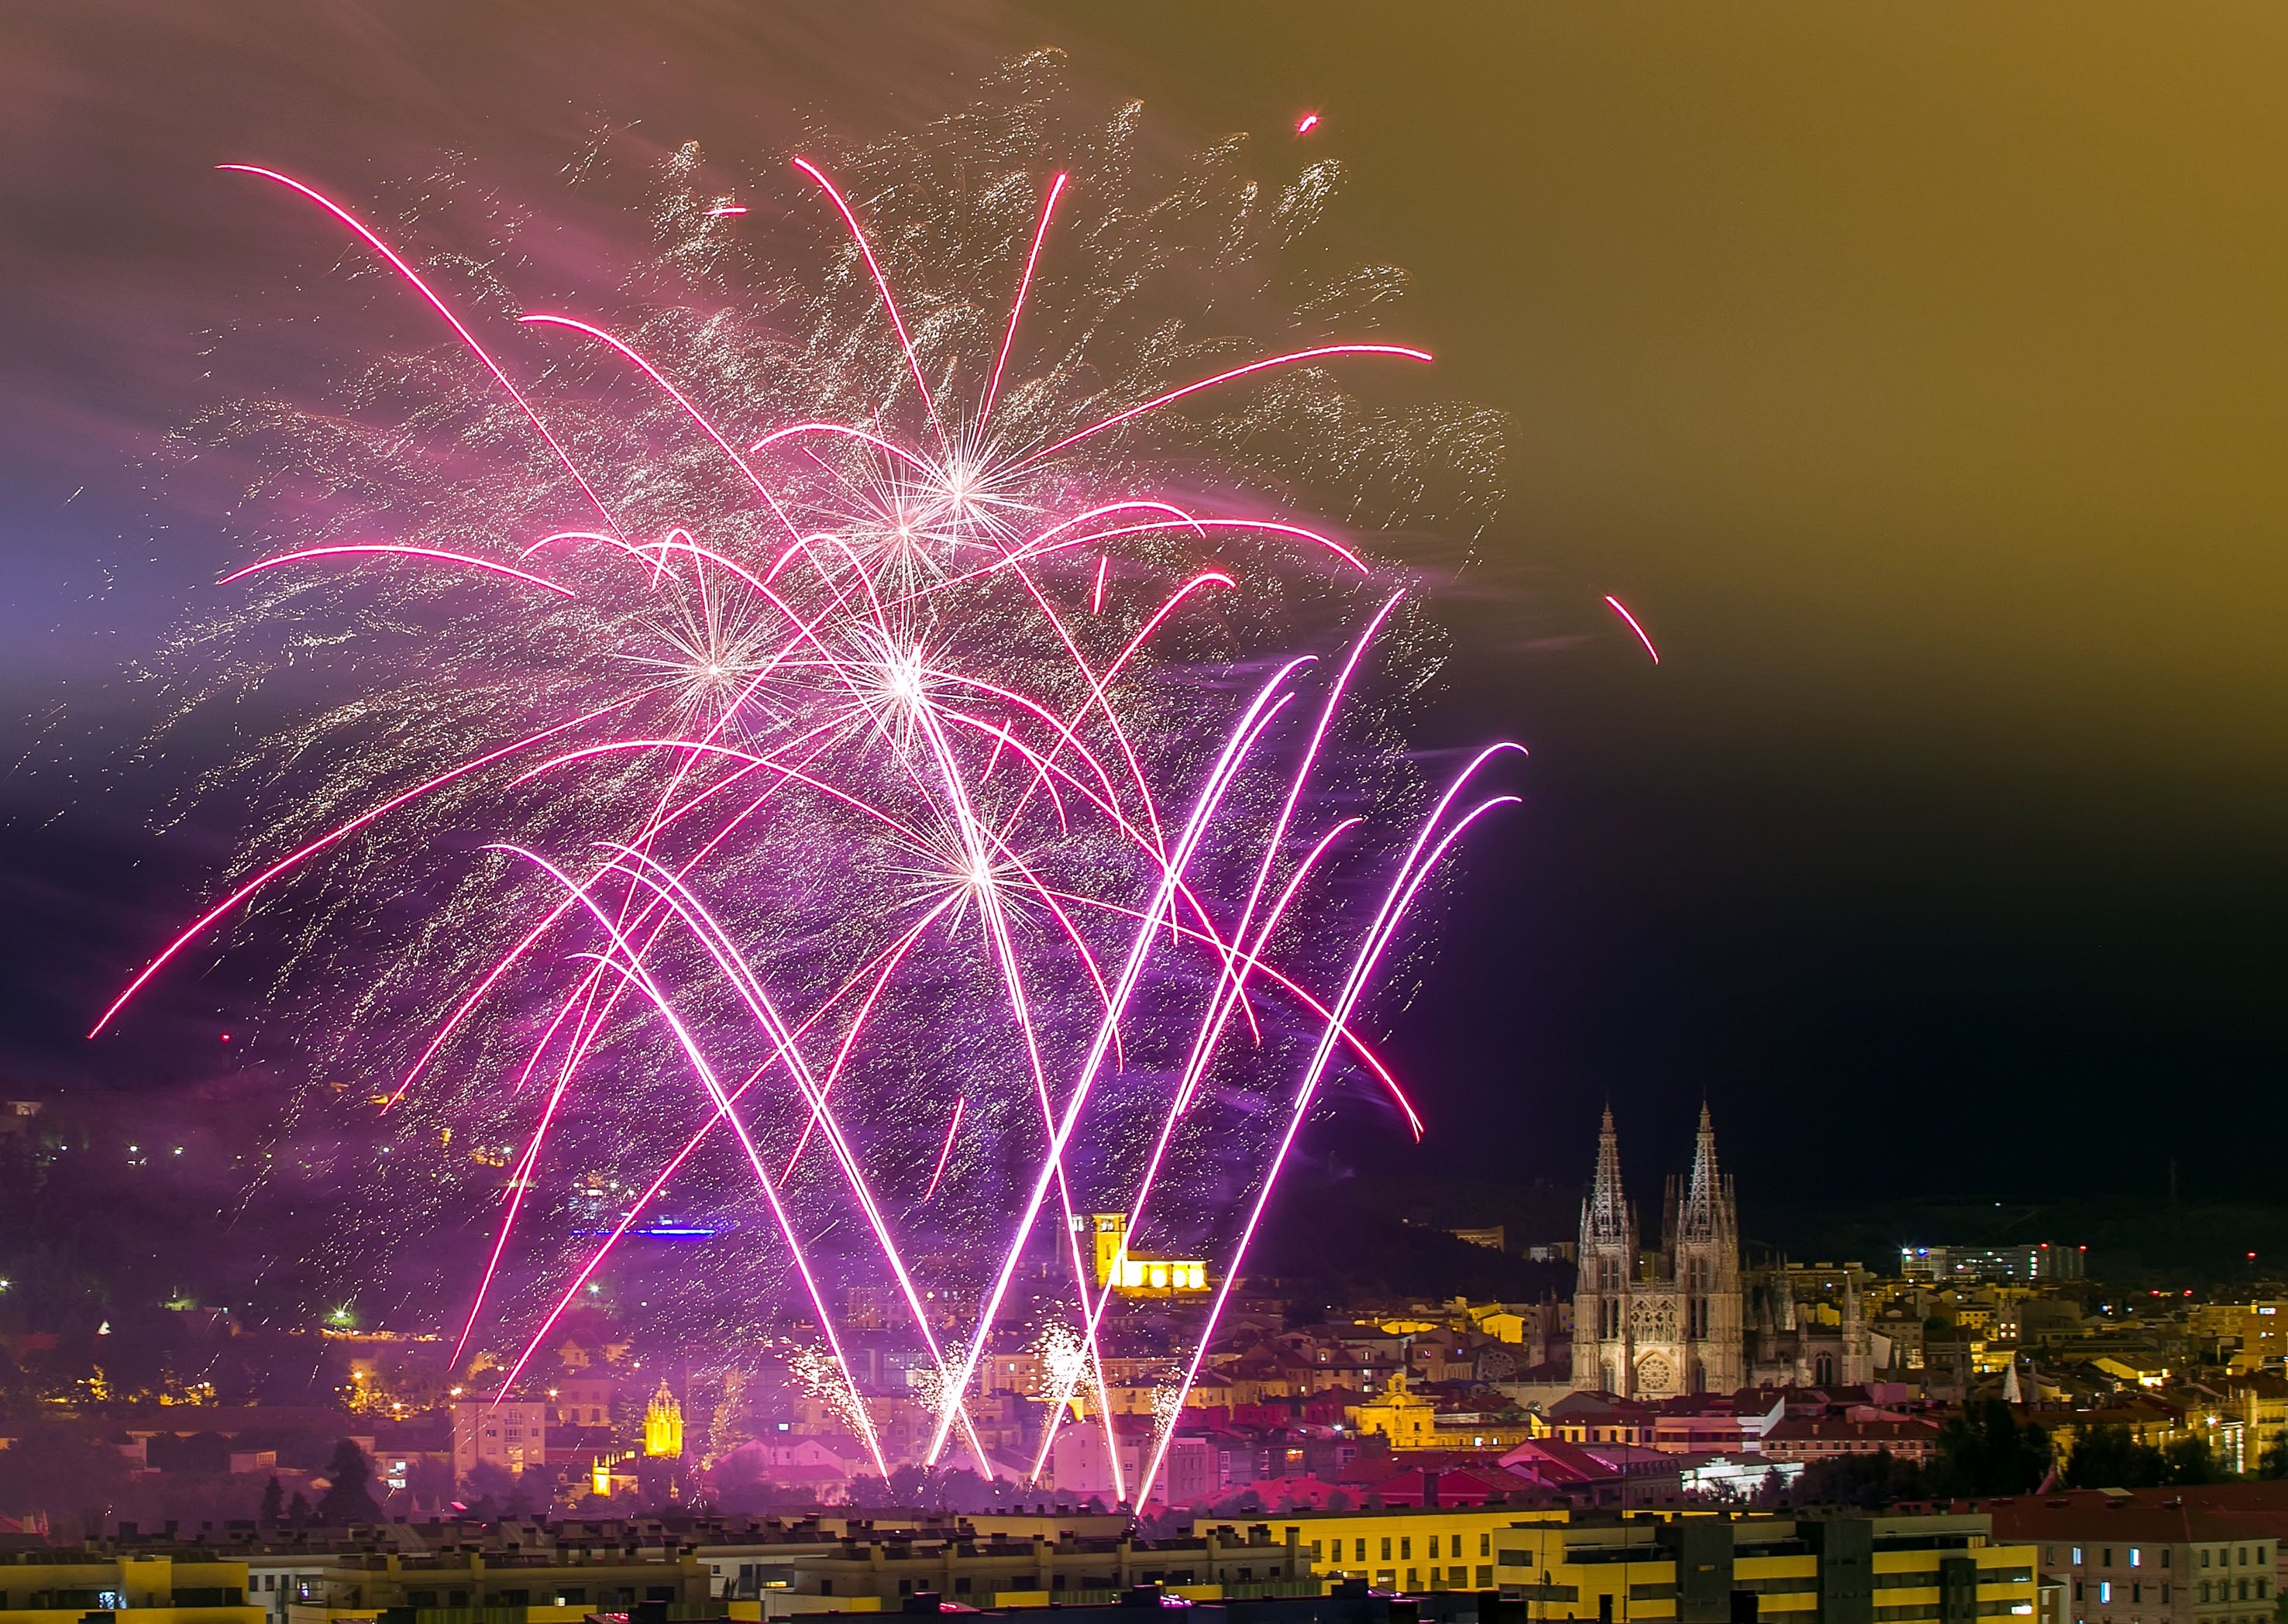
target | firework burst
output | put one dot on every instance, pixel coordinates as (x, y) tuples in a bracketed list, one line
[(896, 824)]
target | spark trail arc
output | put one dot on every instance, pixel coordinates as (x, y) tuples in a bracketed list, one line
[(883, 829)]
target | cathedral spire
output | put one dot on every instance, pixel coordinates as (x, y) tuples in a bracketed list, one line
[(1703, 1191), (1605, 1215)]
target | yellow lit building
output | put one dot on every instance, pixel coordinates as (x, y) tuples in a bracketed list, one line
[(1668, 1566), (2261, 1329), (563, 1586), (2262, 1402), (664, 1426), (1133, 1275), (63, 1587), (1410, 1421)]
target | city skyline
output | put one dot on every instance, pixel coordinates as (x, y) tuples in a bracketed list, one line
[(1573, 717)]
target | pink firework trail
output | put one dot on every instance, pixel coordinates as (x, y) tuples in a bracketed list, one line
[(1620, 608), (887, 860)]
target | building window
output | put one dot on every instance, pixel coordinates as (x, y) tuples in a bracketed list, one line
[(2164, 1595), (1486, 1548), (1405, 1550), (2104, 1592), (2204, 1558), (1386, 1547), (2166, 1554), (1361, 1555), (2077, 1556), (2134, 1554)]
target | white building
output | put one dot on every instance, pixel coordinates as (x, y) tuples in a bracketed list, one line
[(508, 1435)]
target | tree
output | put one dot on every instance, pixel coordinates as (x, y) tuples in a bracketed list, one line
[(2273, 1462), (2108, 1458), (492, 1491), (430, 1483), (274, 1503), (1865, 1481), (298, 1509), (347, 1498), (2189, 1461), (60, 1469), (1987, 1450)]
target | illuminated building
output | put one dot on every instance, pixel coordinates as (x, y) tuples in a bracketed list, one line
[(1412, 1421), (1651, 1333), (41, 1587), (1688, 1318), (1660, 1565), (1134, 1275), (663, 1425), (511, 1436), (2034, 1260), (2258, 1332), (2143, 1555), (975, 1567)]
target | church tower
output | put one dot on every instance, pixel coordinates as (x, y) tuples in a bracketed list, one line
[(663, 1425), (1607, 1262), (1701, 1236)]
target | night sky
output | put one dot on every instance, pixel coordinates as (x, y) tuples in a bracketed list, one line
[(1920, 376)]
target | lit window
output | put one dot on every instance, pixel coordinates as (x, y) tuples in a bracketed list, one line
[(2104, 1592), (2077, 1556), (2134, 1554)]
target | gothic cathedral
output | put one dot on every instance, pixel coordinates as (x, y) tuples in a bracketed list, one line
[(1656, 1325)]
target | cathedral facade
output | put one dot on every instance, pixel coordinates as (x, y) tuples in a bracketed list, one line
[(1686, 1319)]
